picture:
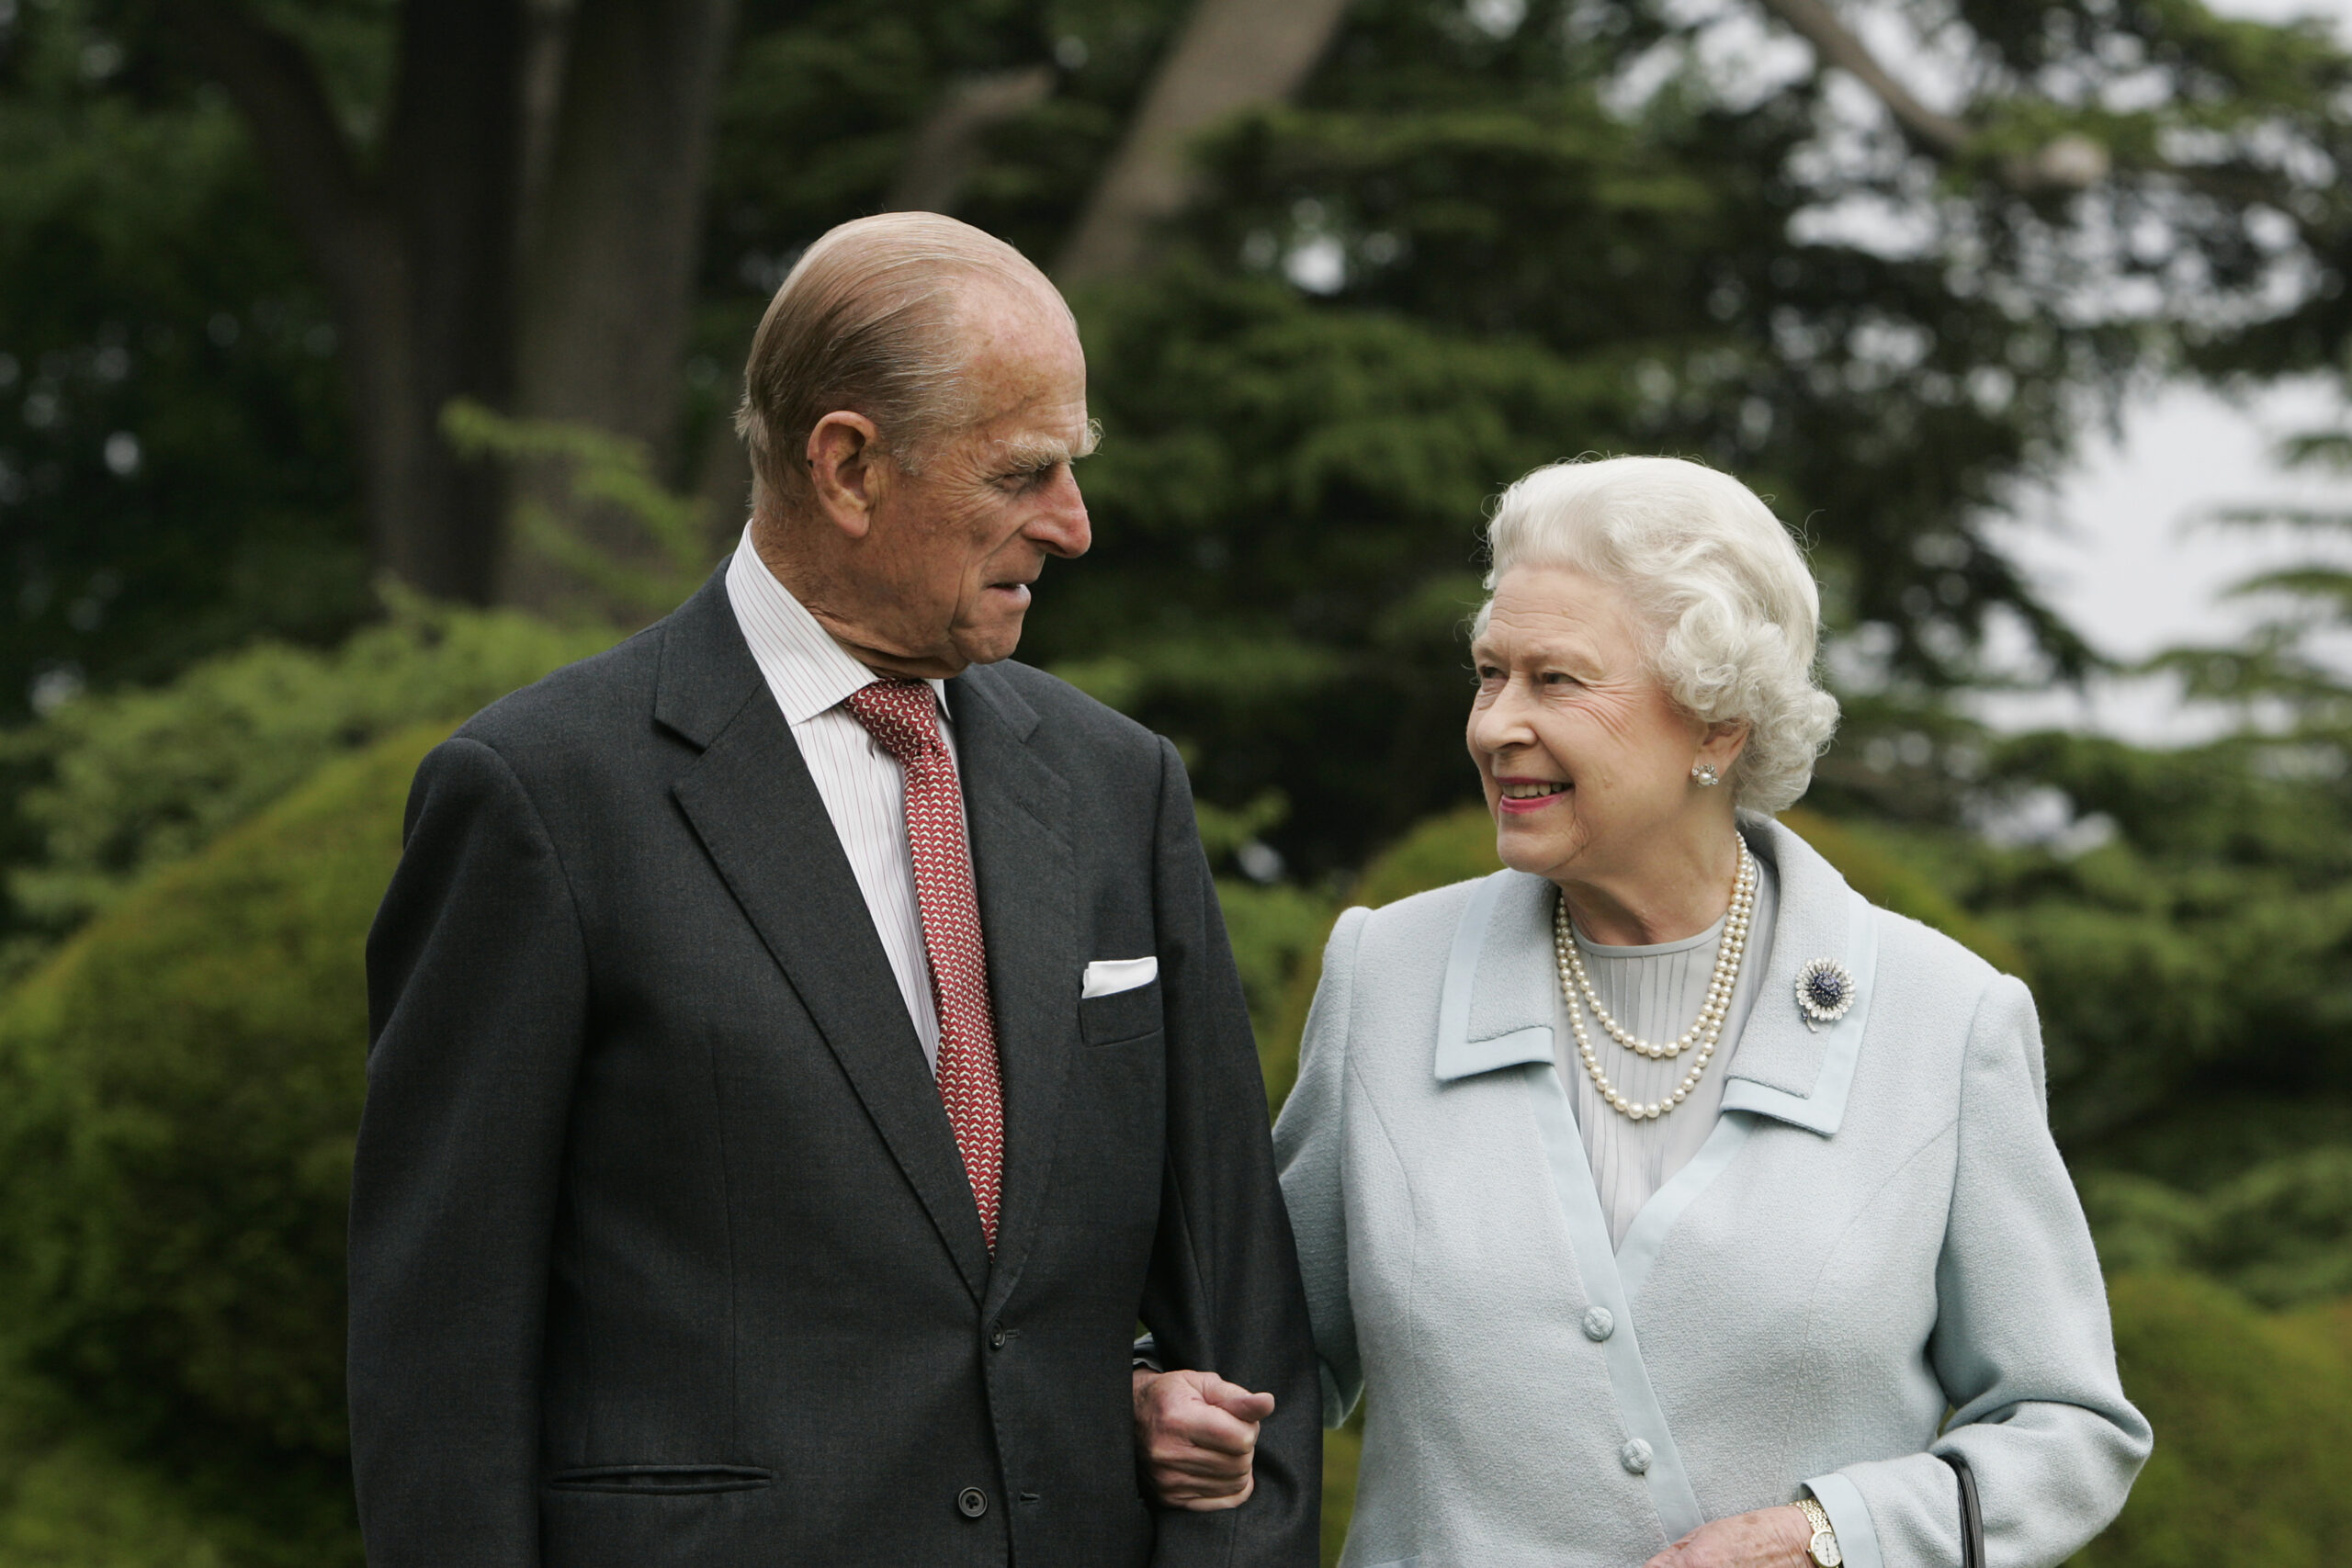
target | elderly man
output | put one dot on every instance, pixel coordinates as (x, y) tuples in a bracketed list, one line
[(805, 1044)]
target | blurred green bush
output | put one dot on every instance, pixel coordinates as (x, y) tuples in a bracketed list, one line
[(179, 1089), (66, 1501), (2279, 1233), (2253, 1413), (118, 785)]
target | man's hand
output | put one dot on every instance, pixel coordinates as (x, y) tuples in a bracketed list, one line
[(1769, 1538), (1196, 1435)]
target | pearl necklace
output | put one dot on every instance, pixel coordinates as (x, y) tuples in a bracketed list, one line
[(1705, 1031)]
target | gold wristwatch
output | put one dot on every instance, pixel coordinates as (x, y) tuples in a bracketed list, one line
[(1823, 1546)]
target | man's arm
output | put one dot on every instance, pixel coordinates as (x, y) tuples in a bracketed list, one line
[(1223, 1294), (476, 982)]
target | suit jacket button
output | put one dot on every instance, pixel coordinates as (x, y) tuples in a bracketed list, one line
[(1598, 1324), (971, 1502), (996, 1340), (1634, 1456)]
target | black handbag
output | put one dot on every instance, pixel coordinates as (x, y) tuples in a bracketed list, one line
[(1971, 1516)]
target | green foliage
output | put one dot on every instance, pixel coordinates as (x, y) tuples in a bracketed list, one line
[(602, 474), (1278, 935), (2279, 1233), (67, 1502), (181, 477), (1342, 1461), (2202, 948), (1441, 850), (179, 1090), (1470, 248), (1476, 242), (827, 100), (129, 782), (2252, 1416)]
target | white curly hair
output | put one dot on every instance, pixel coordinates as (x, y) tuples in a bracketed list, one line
[(1730, 611)]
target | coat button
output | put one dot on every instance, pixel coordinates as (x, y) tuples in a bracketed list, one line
[(971, 1502), (1598, 1324), (996, 1340), (1634, 1456)]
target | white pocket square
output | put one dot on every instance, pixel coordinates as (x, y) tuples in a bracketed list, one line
[(1108, 976)]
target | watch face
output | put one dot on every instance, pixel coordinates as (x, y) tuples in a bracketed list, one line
[(1823, 1547)]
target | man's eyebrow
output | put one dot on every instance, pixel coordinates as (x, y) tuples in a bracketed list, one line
[(1031, 454)]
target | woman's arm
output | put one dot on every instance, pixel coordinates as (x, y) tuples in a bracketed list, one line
[(1307, 1151), (2022, 1344)]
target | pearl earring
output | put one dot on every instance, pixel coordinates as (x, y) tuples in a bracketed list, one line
[(1704, 775)]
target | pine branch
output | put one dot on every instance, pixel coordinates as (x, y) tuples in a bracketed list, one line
[(1815, 22), (2070, 162)]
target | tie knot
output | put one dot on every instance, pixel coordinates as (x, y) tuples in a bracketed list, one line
[(902, 716)]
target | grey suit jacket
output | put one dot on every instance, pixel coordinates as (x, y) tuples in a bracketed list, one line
[(1878, 1229), (662, 1248)]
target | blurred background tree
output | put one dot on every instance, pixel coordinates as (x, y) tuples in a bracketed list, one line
[(367, 359)]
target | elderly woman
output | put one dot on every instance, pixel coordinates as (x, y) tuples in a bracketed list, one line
[(1668, 1203)]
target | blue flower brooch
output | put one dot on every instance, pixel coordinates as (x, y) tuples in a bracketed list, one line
[(1825, 991)]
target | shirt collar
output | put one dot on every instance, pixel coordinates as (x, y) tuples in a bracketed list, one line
[(807, 669)]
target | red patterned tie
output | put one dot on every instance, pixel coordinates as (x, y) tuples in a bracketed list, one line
[(902, 715)]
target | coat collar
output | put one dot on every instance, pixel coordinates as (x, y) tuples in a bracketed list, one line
[(706, 672), (1497, 1007)]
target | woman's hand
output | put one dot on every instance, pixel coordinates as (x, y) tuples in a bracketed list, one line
[(1196, 1436), (1769, 1538)]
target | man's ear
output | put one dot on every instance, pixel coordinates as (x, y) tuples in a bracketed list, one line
[(845, 460)]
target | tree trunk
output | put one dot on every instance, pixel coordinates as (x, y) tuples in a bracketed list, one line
[(1232, 55), (418, 261), (452, 165), (608, 274)]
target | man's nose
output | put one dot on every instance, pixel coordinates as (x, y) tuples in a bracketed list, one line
[(1060, 525)]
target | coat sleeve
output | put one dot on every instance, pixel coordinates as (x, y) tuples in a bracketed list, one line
[(1223, 1294), (476, 984), (2022, 1344), (1307, 1148)]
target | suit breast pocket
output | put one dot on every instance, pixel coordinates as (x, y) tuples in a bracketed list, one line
[(1120, 1016)]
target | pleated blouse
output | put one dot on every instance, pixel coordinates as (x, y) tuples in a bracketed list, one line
[(1655, 991)]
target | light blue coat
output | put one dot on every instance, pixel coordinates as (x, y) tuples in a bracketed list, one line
[(1878, 1230)]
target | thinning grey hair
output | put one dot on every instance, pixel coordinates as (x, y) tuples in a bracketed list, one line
[(1730, 613), (867, 322)]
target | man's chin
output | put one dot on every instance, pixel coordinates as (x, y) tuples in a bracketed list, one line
[(988, 644)]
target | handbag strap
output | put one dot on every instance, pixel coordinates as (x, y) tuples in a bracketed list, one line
[(1971, 1516)]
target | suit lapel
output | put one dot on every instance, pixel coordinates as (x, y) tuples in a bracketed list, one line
[(1027, 879), (753, 803)]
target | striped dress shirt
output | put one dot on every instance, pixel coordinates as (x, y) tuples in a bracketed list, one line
[(863, 786)]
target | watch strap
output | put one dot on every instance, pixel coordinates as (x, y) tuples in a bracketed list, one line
[(1822, 1545)]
